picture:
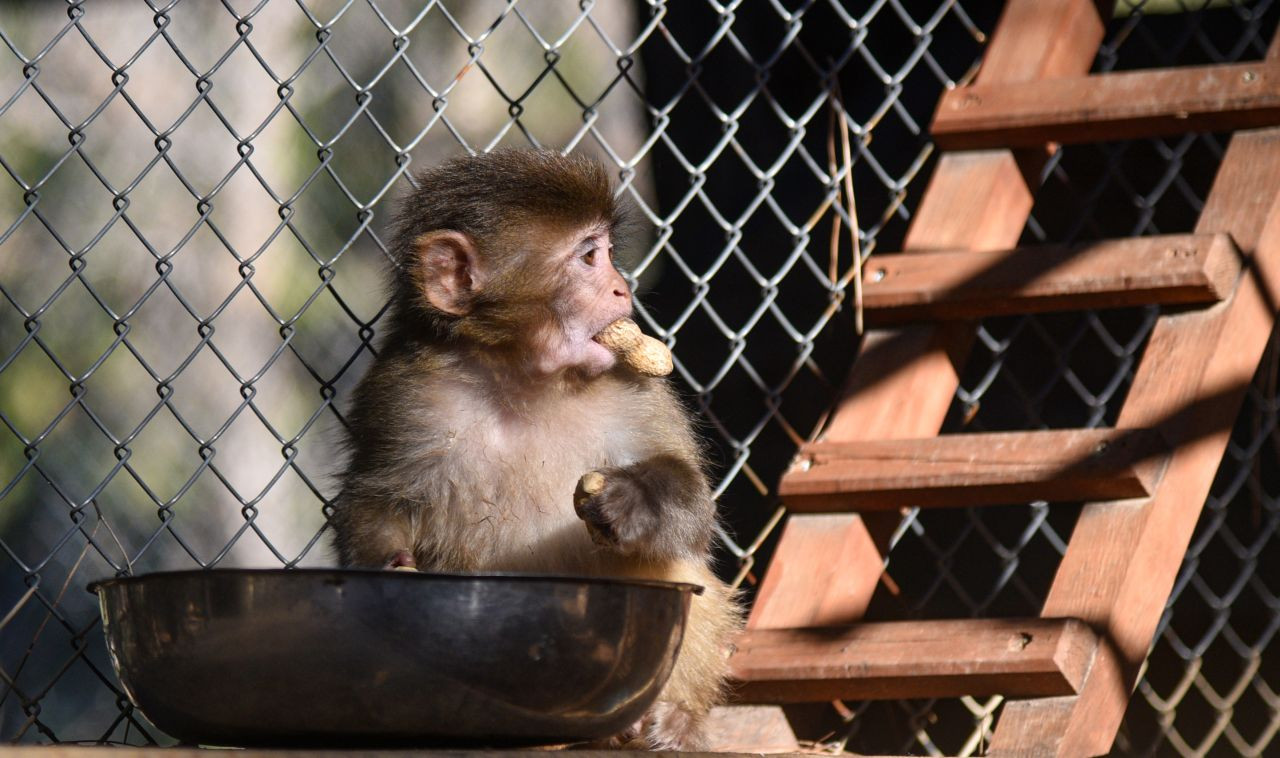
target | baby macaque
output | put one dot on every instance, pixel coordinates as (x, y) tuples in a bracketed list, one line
[(496, 431)]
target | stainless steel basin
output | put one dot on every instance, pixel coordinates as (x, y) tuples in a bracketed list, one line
[(390, 658)]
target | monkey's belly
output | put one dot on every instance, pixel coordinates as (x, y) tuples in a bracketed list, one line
[(558, 543), (520, 538)]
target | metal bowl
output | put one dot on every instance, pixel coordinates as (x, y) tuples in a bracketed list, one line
[(390, 658)]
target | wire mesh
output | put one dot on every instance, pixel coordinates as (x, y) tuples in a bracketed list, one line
[(192, 246)]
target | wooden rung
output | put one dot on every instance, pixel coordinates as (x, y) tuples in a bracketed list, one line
[(909, 659), (1110, 106), (1171, 269), (975, 469)]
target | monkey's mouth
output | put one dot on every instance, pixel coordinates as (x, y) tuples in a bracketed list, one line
[(600, 353), (596, 338)]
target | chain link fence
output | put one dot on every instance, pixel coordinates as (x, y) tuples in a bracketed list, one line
[(193, 208)]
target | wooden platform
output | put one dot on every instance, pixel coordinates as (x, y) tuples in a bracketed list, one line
[(63, 751)]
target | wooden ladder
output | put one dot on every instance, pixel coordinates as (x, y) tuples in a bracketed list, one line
[(1068, 674)]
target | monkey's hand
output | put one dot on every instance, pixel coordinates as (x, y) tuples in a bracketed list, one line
[(658, 507), (612, 505)]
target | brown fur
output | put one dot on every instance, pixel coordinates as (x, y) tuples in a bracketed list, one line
[(461, 456)]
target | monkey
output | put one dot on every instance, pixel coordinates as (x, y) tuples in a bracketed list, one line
[(489, 400)]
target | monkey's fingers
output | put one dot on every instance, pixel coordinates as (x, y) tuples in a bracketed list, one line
[(600, 535), (589, 487)]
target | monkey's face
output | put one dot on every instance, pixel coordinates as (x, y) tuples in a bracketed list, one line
[(536, 299), (589, 294)]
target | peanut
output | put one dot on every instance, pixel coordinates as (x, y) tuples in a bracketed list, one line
[(641, 352), (589, 485)]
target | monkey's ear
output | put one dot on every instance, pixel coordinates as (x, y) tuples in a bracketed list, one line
[(447, 270)]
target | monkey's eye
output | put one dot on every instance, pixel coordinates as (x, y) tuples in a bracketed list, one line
[(589, 257)]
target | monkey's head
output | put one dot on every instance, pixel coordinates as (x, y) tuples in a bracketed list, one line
[(511, 253)]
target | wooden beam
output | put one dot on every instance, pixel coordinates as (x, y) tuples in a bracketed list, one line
[(1122, 559), (974, 201), (954, 285), (908, 659), (1106, 107), (810, 587), (959, 470), (738, 728), (1044, 39)]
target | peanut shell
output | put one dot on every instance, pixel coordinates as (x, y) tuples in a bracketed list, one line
[(642, 353), (651, 358), (620, 336)]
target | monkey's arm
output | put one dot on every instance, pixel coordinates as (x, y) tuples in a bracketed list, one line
[(660, 506)]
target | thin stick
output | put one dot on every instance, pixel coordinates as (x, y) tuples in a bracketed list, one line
[(847, 155), (834, 248)]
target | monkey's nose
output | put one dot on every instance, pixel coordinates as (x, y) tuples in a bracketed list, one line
[(620, 288)]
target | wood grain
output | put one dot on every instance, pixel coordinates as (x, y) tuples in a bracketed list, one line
[(749, 728), (954, 285), (959, 470), (973, 201), (1106, 107), (811, 586), (907, 659), (1122, 559)]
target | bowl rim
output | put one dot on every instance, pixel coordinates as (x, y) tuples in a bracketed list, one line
[(412, 576)]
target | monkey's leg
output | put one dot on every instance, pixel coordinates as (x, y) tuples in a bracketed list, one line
[(403, 560), (697, 682), (657, 516), (369, 535), (676, 721)]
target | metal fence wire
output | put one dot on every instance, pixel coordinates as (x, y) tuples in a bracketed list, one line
[(193, 202)]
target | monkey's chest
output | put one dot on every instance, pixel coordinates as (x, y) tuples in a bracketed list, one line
[(510, 496), (533, 483)]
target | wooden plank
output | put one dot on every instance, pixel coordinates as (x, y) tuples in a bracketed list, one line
[(1123, 558), (1044, 39), (892, 389), (960, 470), (953, 285), (748, 728), (130, 751), (976, 201), (1107, 107), (810, 587), (908, 659)]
